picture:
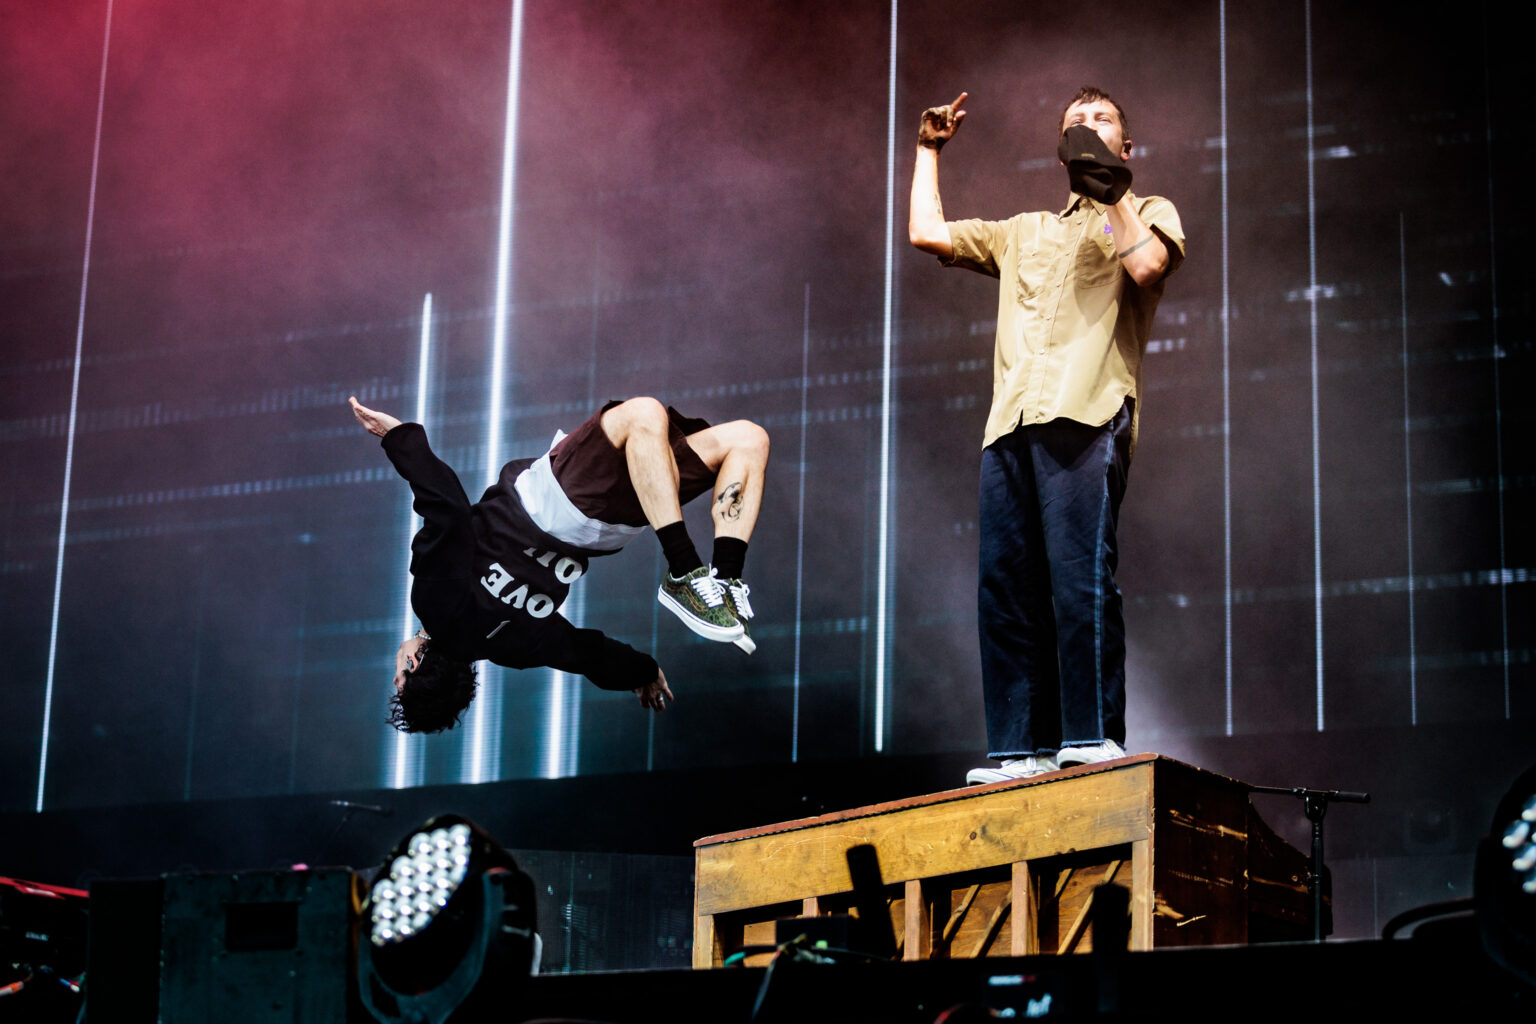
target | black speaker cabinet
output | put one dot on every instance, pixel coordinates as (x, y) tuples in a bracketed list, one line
[(258, 946), (246, 948)]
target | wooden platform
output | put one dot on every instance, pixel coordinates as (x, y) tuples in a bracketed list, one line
[(1006, 869)]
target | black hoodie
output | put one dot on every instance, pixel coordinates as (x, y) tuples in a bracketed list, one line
[(487, 583)]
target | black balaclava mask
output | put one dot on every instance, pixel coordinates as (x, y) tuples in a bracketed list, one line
[(1095, 171)]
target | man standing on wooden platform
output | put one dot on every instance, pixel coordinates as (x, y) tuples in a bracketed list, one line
[(488, 579), (1077, 294)]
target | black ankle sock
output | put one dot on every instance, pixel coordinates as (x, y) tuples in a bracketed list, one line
[(730, 556), (682, 557)]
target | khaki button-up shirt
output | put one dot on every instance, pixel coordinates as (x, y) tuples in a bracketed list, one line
[(1071, 324)]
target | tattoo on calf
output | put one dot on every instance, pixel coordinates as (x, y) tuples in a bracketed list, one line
[(728, 504)]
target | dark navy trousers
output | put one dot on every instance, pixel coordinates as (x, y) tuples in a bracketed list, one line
[(1052, 625)]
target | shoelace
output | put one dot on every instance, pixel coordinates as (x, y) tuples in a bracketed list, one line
[(739, 592), (710, 589)]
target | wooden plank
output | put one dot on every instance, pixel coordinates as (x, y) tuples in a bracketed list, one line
[(994, 924), (706, 951), (1141, 894), (1161, 763), (953, 924), (1025, 930), (918, 929), (1002, 827), (810, 907), (1080, 924), (1200, 829), (760, 933), (706, 945), (993, 891)]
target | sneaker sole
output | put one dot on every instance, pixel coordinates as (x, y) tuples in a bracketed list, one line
[(722, 634), (972, 780), (746, 643), (1075, 763)]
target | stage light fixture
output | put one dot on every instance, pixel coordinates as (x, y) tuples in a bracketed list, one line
[(451, 923), (1504, 883)]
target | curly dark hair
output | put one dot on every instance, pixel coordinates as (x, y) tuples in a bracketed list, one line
[(1092, 94), (434, 695)]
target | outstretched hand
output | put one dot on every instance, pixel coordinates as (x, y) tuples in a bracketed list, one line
[(655, 694), (940, 123), (376, 423)]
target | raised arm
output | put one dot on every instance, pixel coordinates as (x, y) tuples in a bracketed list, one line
[(444, 547), (925, 216)]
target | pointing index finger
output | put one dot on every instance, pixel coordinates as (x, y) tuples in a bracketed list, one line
[(959, 100)]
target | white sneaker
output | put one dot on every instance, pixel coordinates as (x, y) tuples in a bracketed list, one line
[(736, 599), (698, 599), (1012, 769), (1091, 754)]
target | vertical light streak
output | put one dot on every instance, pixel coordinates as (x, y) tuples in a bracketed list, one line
[(406, 767), (805, 383), (74, 411), (1317, 486), (1498, 354), (882, 685), (485, 716), (1226, 389), (562, 726), (1413, 662)]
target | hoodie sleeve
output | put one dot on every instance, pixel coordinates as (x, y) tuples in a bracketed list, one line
[(608, 663), (445, 545)]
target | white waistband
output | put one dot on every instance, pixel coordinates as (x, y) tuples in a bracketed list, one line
[(553, 512)]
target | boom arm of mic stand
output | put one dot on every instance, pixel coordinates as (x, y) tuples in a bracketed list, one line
[(1315, 804)]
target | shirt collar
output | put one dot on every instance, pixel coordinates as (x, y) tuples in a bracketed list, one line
[(1073, 199)]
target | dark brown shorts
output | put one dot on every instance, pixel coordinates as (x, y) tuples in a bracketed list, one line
[(594, 474)]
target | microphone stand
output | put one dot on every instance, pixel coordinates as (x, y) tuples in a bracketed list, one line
[(349, 808), (1315, 804)]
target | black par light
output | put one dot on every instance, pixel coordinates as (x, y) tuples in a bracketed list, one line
[(1504, 881), (451, 922)]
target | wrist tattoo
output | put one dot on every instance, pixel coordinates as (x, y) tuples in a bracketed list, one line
[(1133, 248)]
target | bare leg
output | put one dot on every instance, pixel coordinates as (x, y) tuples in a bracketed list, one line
[(738, 453), (640, 426)]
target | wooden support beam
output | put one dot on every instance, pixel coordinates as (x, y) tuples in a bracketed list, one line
[(953, 924), (1026, 917), (994, 925), (1142, 903), (1080, 923), (918, 942)]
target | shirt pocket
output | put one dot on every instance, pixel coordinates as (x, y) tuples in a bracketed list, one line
[(1032, 260), (1097, 264)]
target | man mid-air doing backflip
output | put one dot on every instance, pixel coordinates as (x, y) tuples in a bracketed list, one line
[(488, 578)]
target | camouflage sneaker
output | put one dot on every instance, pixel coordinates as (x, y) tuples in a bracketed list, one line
[(736, 592), (699, 600)]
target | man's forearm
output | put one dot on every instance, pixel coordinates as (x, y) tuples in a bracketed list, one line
[(925, 217), (1142, 253)]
